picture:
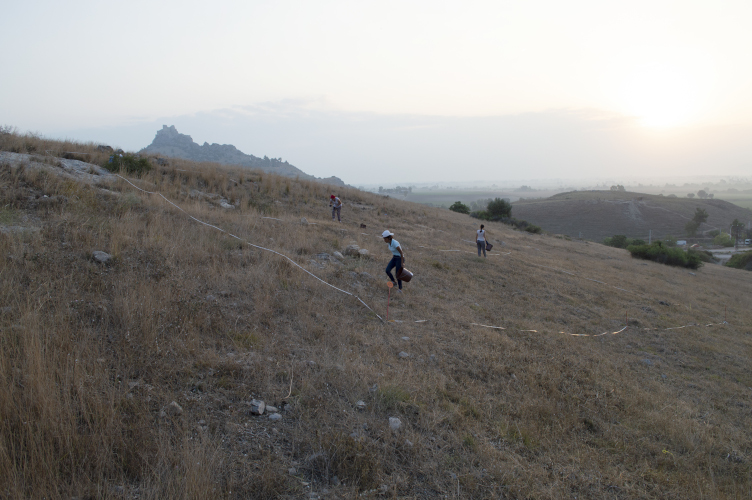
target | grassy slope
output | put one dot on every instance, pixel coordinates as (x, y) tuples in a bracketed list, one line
[(90, 355), (599, 214)]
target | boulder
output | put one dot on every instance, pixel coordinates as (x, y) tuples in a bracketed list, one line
[(304, 221), (174, 409), (338, 255), (352, 250), (363, 253), (101, 257)]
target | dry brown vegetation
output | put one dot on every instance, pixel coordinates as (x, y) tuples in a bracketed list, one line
[(92, 354)]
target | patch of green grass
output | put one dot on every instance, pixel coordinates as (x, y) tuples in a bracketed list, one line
[(392, 397), (246, 340), (8, 216), (469, 442)]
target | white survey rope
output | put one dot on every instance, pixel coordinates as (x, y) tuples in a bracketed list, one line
[(252, 245)]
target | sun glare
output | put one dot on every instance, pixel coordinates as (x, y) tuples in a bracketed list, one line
[(659, 97)]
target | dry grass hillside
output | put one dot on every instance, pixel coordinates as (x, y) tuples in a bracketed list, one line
[(601, 214), (133, 378)]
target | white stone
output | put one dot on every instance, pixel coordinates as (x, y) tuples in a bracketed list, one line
[(257, 407), (271, 409), (360, 405), (363, 252), (338, 255), (395, 423), (275, 416), (403, 354), (101, 257)]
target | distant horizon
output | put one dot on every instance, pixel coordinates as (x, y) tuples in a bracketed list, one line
[(375, 92)]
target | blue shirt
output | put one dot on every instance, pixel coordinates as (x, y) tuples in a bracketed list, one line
[(393, 247)]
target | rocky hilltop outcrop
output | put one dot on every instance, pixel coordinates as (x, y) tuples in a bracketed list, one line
[(170, 142)]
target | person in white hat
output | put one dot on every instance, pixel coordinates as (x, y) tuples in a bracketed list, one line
[(398, 257)]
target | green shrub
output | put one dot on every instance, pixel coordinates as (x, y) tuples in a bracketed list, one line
[(498, 210), (618, 241), (130, 163), (741, 261), (704, 255), (460, 208), (659, 252), (724, 240), (532, 228), (621, 241)]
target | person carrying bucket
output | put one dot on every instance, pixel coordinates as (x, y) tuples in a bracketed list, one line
[(398, 258), (480, 240), (336, 205)]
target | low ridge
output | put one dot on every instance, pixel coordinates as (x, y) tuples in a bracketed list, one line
[(596, 215)]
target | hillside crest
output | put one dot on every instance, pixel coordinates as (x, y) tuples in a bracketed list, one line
[(169, 142)]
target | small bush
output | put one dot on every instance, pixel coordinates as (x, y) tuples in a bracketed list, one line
[(532, 228), (704, 255), (618, 241), (724, 240), (621, 241), (741, 261), (498, 210), (658, 252), (460, 208), (130, 163)]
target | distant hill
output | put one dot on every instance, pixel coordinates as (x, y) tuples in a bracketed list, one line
[(169, 142), (599, 214)]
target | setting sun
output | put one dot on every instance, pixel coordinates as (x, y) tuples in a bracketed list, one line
[(660, 97)]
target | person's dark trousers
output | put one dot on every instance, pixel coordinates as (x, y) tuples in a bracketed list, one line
[(336, 210), (481, 245), (395, 262)]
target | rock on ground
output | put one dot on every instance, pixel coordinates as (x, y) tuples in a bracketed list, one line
[(102, 257), (72, 169)]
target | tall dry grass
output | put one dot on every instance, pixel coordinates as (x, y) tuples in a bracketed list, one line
[(92, 356)]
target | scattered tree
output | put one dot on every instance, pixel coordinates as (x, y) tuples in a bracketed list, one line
[(690, 195), (460, 208), (499, 208), (618, 187), (701, 215), (702, 194), (736, 230)]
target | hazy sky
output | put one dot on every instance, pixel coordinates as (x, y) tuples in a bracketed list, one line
[(396, 90)]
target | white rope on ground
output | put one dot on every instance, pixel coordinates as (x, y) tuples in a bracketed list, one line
[(252, 245), (421, 321), (489, 326)]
